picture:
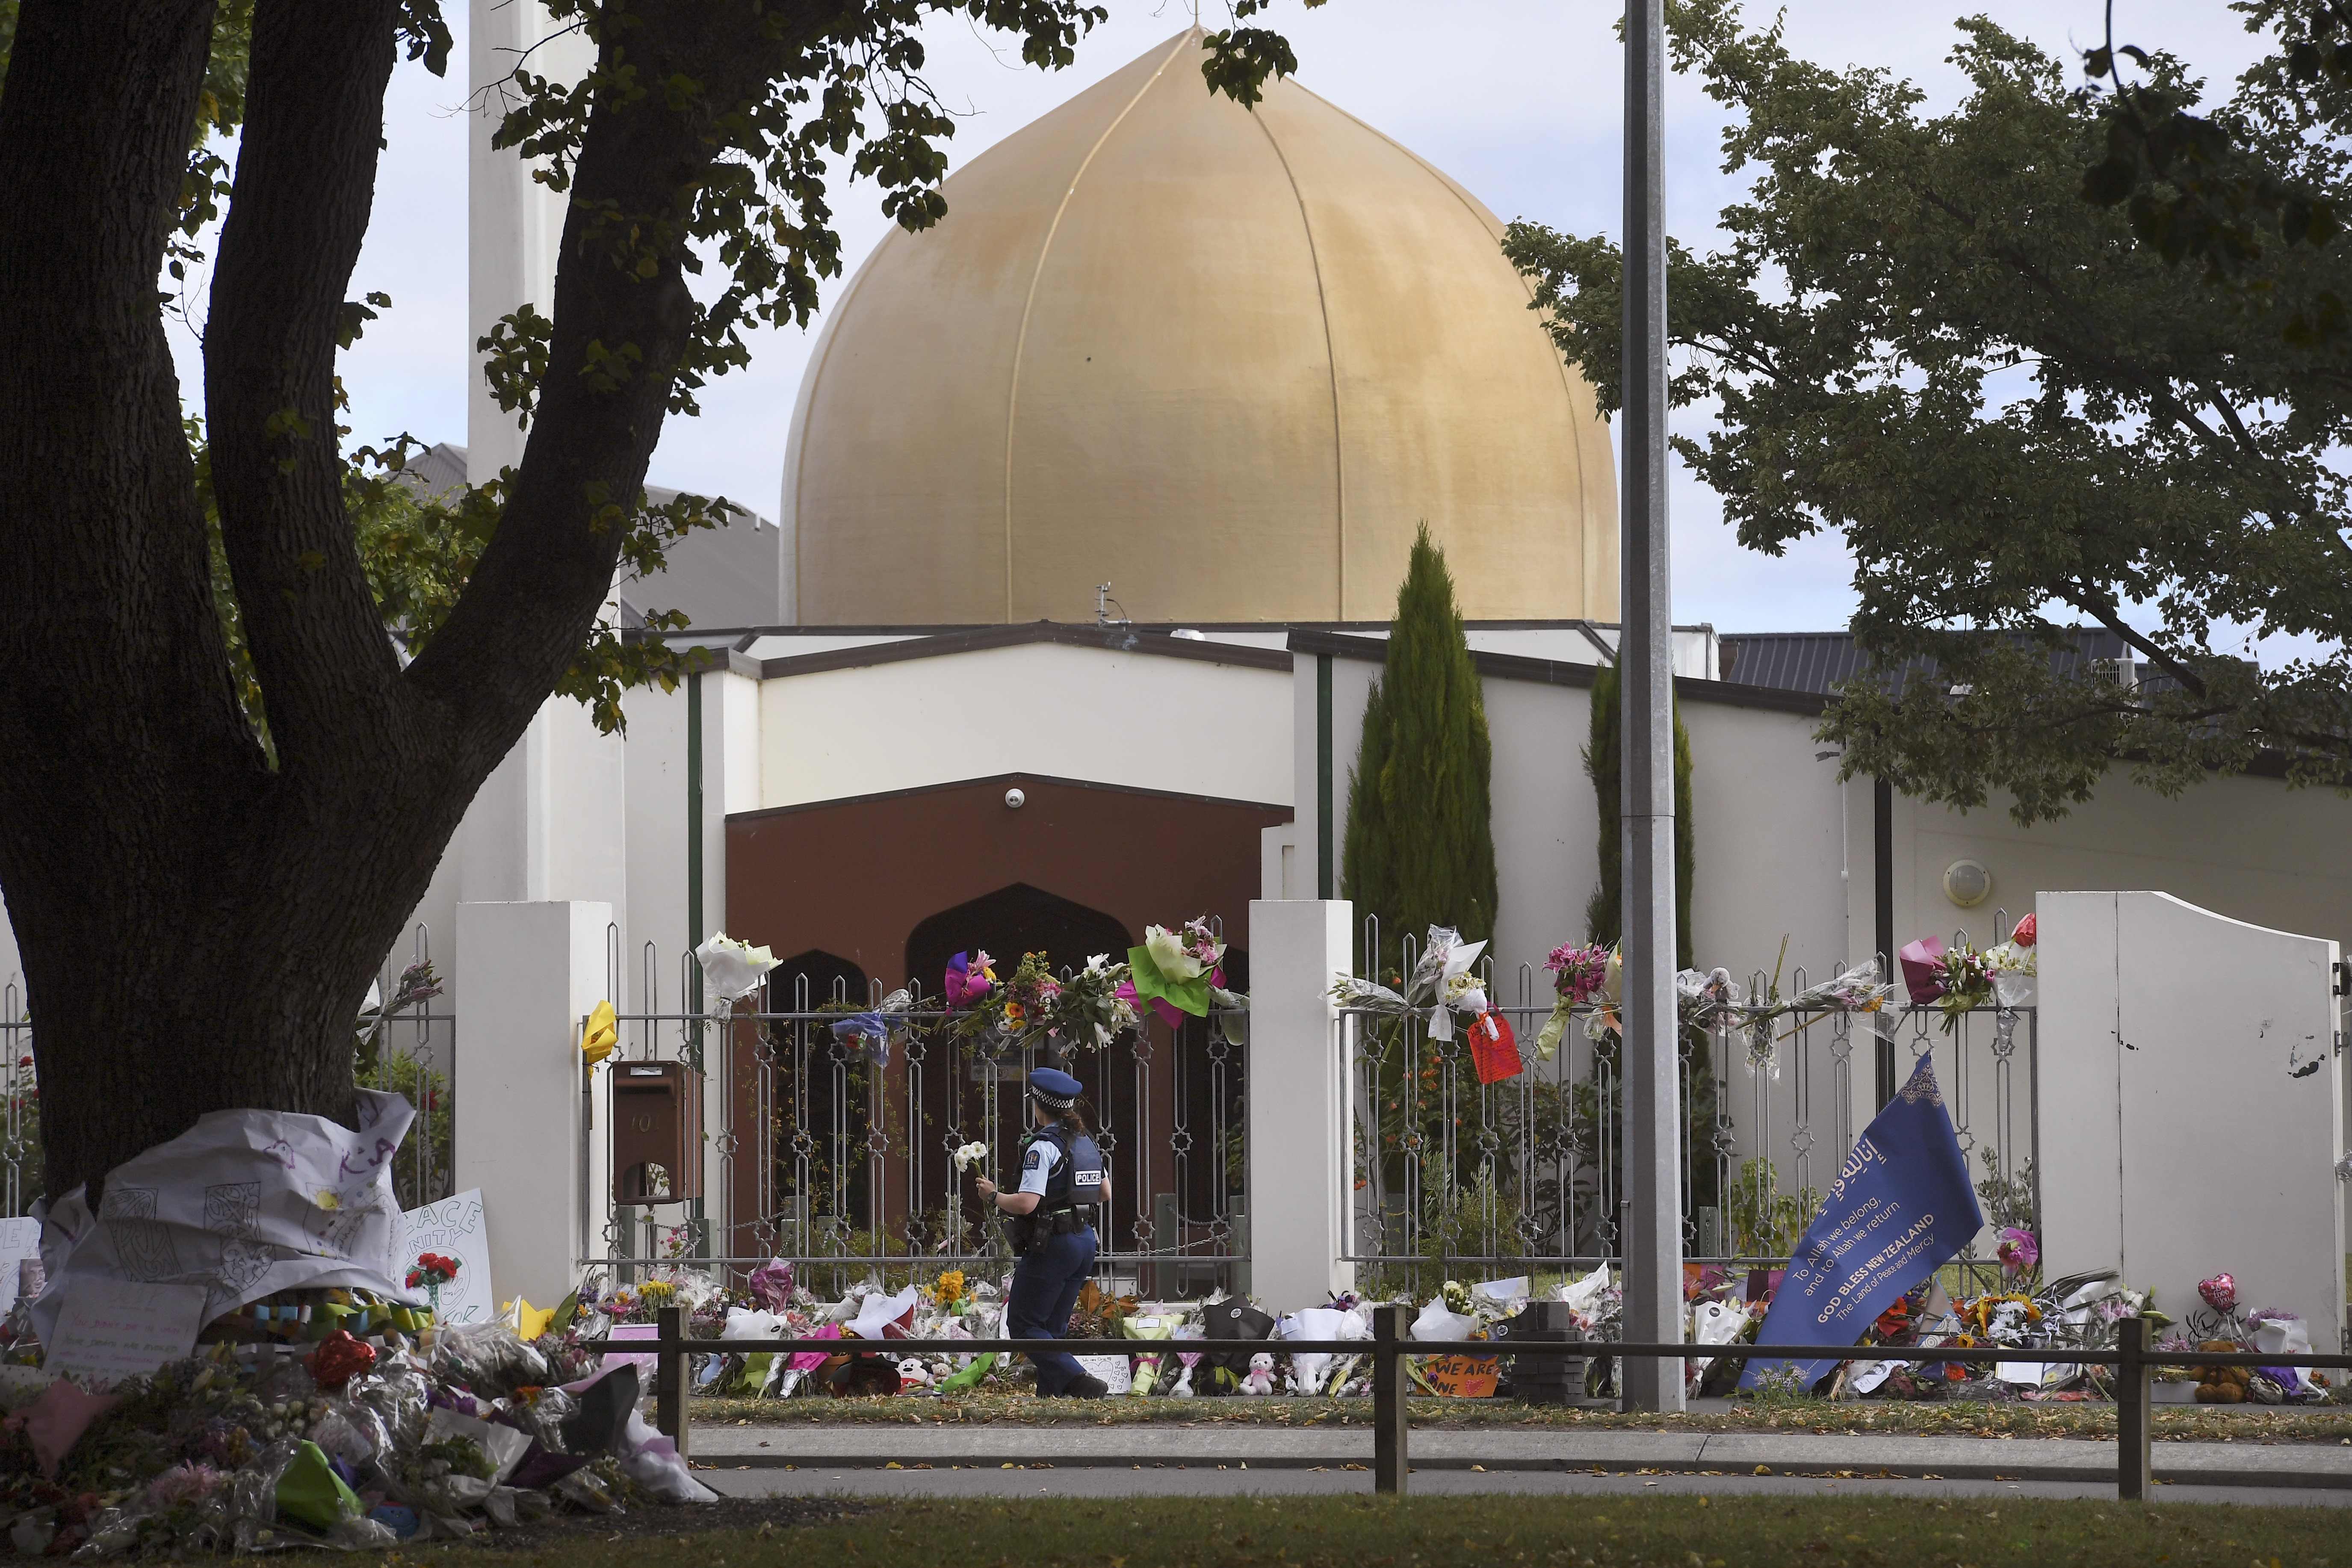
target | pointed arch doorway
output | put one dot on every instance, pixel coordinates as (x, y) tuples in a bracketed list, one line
[(1008, 922)]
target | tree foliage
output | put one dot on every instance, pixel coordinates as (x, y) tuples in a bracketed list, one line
[(1420, 844), (2020, 418), (2226, 188), (1604, 912)]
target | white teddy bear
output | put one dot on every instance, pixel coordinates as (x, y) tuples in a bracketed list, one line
[(1260, 1380)]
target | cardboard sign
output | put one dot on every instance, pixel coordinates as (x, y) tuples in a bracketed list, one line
[(1117, 1376), (113, 1328), (454, 1228), (1460, 1376)]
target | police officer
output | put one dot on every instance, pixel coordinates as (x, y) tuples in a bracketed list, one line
[(1062, 1183)]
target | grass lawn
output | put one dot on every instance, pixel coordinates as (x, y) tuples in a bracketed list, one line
[(1946, 1418), (1468, 1533)]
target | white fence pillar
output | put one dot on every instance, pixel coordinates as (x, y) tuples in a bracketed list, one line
[(1298, 1115), (532, 971), (2189, 1105)]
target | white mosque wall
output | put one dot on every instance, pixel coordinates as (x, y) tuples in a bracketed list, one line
[(2250, 848), (1768, 841), (1546, 848), (1768, 818), (1142, 720)]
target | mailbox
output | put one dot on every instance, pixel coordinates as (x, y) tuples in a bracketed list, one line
[(657, 1133)]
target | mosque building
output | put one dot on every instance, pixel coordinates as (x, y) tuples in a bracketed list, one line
[(1095, 499)]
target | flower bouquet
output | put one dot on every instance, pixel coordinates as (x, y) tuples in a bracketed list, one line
[(1444, 982), (1175, 972), (1578, 977), (876, 1028), (732, 970), (429, 1273), (1093, 1007)]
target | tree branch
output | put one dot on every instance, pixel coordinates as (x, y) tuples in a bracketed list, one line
[(535, 592), (305, 184), (2102, 609)]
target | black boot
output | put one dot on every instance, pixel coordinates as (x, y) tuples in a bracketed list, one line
[(1085, 1386)]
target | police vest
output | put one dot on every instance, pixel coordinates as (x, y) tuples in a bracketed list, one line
[(1076, 1181)]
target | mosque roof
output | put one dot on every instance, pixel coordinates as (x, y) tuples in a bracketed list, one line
[(1226, 360)]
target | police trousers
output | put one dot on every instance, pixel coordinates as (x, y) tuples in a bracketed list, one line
[(1045, 1286)]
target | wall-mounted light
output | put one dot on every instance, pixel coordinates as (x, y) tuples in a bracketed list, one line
[(1967, 883), (1014, 799)]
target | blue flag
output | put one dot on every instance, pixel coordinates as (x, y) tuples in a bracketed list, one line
[(1900, 1207)]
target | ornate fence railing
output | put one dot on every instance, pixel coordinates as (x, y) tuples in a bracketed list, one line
[(839, 1155), (1452, 1176), (415, 1053)]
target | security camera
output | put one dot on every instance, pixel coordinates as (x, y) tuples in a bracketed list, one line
[(1014, 799)]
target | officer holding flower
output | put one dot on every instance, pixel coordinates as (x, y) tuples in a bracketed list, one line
[(1063, 1185)]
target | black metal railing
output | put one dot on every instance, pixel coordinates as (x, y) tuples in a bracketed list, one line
[(1389, 1346)]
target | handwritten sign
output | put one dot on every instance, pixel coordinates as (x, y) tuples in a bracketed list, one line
[(454, 1228), (113, 1328), (1460, 1376)]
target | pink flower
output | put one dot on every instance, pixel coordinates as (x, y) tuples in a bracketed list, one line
[(2019, 1251), (2024, 934), (2220, 1293), (1578, 973), (969, 978)]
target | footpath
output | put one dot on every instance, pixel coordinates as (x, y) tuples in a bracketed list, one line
[(869, 1445)]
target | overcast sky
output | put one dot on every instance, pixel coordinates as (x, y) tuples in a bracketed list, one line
[(1520, 100)]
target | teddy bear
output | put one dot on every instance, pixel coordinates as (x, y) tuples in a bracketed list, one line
[(2223, 1384), (1260, 1380)]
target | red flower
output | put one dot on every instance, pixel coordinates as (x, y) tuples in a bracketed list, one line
[(2023, 936)]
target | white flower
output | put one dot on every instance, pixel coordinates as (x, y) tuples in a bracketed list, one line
[(731, 969), (969, 1155), (1169, 952)]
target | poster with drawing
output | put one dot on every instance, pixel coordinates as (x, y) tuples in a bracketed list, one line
[(454, 1230)]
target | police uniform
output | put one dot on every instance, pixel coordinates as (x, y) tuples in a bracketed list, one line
[(1065, 1169)]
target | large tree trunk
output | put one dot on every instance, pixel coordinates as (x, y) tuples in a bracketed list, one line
[(198, 920)]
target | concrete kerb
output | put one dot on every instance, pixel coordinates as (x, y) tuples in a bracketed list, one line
[(2057, 1459)]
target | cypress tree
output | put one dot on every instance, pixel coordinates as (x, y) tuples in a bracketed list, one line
[(1605, 914), (1419, 849)]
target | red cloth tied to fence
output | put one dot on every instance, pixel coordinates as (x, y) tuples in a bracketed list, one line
[(1494, 1049)]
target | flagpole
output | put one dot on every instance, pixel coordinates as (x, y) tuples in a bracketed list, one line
[(1653, 1246)]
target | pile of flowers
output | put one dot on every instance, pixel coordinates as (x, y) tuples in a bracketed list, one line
[(321, 1417), (1174, 973)]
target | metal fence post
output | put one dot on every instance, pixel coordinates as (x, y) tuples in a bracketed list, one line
[(1391, 1382), (669, 1377), (2134, 1464)]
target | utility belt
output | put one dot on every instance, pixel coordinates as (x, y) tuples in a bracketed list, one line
[(1027, 1230)]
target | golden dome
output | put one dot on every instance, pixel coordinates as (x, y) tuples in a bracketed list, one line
[(1225, 361)]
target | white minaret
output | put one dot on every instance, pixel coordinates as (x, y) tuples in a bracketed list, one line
[(548, 824), (514, 224)]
